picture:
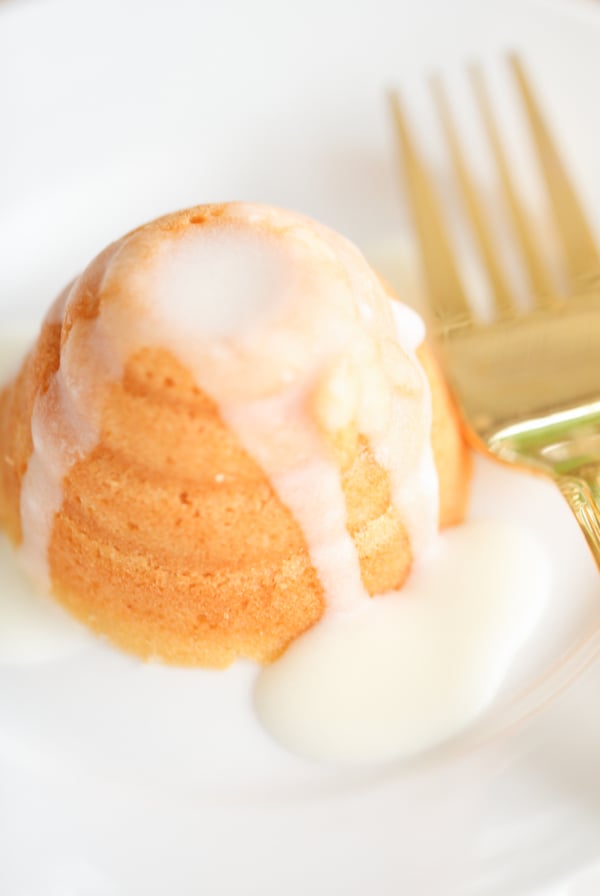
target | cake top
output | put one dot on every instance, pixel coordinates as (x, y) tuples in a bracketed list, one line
[(251, 297)]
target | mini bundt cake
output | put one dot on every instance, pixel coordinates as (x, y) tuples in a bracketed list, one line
[(226, 428)]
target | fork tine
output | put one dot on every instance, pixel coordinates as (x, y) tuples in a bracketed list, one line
[(500, 290), (539, 277), (581, 253), (446, 295)]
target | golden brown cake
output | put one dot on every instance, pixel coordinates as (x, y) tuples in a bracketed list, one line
[(226, 427)]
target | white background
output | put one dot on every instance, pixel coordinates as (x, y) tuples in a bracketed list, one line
[(114, 112)]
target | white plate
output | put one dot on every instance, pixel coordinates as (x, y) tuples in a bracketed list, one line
[(115, 113)]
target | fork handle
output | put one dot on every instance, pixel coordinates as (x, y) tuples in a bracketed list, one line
[(582, 493)]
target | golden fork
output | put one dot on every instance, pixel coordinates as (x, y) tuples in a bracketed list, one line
[(527, 384)]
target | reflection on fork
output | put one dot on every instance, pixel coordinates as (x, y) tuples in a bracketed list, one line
[(528, 383)]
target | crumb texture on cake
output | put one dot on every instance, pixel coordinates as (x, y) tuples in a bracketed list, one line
[(199, 487)]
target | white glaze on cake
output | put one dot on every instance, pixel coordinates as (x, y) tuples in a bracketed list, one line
[(413, 667), (65, 426)]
